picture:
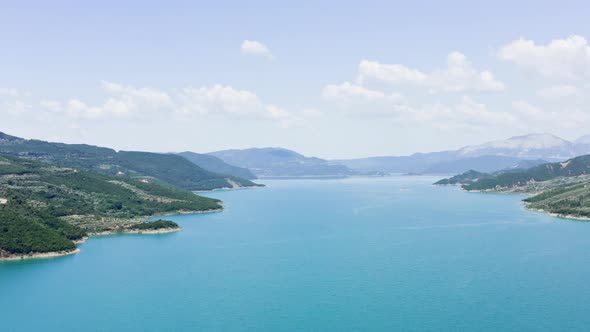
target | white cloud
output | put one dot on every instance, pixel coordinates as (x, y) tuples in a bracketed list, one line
[(253, 47), (347, 91), (51, 105), (388, 73), (558, 92), (567, 58), (356, 99), (153, 97), (467, 113), (220, 99), (15, 107), (182, 104), (11, 92), (459, 76), (533, 118), (362, 101), (122, 101)]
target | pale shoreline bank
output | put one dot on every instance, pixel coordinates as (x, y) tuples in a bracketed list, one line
[(132, 231), (51, 254), (558, 215)]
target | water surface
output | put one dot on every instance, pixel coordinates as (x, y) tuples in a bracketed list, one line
[(323, 255)]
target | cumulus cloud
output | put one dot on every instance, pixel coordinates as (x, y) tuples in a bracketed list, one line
[(389, 73), (186, 103), (362, 101), (221, 99), (466, 113), (567, 58), (533, 117), (558, 92), (15, 106), (347, 91), (256, 48), (359, 100), (123, 101), (150, 96), (458, 76)]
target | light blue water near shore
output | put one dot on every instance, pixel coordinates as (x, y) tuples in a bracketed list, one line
[(357, 254)]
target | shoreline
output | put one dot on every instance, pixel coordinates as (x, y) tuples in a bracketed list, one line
[(557, 215), (228, 189), (131, 231), (54, 254), (526, 204), (41, 255)]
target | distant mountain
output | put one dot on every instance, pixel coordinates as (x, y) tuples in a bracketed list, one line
[(532, 146), (487, 157), (279, 162), (216, 165), (155, 167), (584, 140)]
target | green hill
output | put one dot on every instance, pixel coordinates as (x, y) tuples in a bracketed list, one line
[(43, 208), (172, 169), (572, 167), (463, 178), (570, 201), (561, 188), (216, 165)]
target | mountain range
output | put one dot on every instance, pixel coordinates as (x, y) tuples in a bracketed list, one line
[(216, 165), (279, 162), (488, 157)]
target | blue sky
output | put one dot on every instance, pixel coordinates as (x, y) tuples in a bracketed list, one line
[(337, 79)]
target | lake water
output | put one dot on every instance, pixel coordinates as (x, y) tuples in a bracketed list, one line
[(357, 254)]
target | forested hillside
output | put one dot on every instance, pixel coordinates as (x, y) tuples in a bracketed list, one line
[(171, 169), (43, 208)]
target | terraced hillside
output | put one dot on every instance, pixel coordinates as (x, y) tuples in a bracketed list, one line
[(44, 208)]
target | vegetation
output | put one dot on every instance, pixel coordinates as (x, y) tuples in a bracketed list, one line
[(572, 167), (571, 201), (44, 208), (560, 188), (467, 177), (216, 165), (155, 225), (23, 232), (164, 168)]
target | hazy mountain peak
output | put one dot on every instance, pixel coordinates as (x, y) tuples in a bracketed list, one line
[(583, 140), (530, 141), (537, 145)]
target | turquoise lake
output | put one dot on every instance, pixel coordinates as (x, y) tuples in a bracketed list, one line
[(359, 254)]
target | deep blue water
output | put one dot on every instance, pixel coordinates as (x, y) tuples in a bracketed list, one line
[(310, 255)]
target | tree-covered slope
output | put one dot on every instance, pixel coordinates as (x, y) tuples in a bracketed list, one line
[(43, 208), (572, 167), (172, 169), (463, 178), (216, 165), (572, 201)]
